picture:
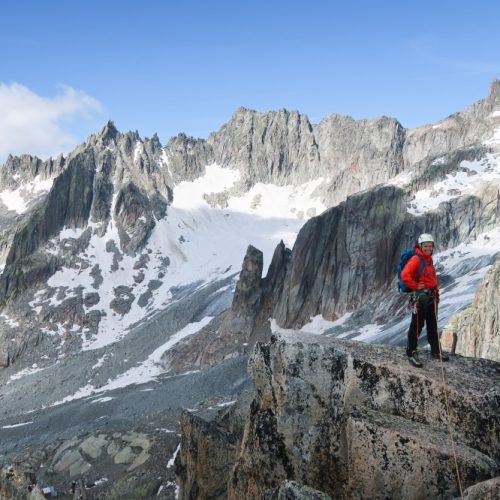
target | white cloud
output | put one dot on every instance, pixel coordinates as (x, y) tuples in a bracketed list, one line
[(30, 123)]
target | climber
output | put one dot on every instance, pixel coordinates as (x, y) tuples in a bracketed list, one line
[(419, 275)]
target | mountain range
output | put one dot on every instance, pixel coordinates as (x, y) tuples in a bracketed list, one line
[(128, 265)]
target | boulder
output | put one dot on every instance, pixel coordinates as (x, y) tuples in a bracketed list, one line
[(352, 420)]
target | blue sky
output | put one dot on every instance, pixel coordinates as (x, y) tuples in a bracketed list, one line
[(170, 67)]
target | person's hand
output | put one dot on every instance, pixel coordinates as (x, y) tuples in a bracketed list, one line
[(421, 286)]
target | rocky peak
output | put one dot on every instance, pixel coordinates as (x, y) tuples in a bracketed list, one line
[(109, 133), (266, 147), (19, 170), (155, 140), (494, 90), (248, 293), (185, 158)]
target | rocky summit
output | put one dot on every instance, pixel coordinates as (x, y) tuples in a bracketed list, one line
[(347, 420), (138, 281)]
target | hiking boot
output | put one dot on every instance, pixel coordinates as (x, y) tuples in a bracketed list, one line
[(442, 356), (413, 359)]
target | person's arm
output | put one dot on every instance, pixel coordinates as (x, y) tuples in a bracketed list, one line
[(409, 274)]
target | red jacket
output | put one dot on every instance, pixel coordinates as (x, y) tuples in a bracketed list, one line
[(428, 276)]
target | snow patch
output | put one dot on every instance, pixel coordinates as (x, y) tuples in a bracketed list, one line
[(102, 400), (164, 160), (401, 179), (19, 199), (170, 463), (320, 325), (100, 362), (151, 367), (276, 329), (456, 184), (367, 333), (16, 425), (11, 322), (138, 150), (73, 233), (487, 243), (26, 372)]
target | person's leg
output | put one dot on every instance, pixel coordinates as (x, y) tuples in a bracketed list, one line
[(413, 331), (417, 321), (432, 331), (431, 323)]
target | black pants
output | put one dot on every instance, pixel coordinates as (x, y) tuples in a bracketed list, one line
[(425, 313)]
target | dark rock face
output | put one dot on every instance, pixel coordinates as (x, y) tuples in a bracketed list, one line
[(186, 158), (356, 421), (209, 448), (266, 146), (103, 189), (477, 329), (342, 256), (134, 218), (248, 294), (68, 204)]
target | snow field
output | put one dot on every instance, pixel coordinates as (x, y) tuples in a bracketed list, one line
[(457, 184), (202, 244)]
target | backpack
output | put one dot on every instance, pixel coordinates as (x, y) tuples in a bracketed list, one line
[(406, 255)]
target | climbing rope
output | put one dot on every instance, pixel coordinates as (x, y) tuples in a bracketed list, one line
[(453, 447)]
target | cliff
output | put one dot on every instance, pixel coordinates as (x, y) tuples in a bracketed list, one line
[(351, 421), (475, 332)]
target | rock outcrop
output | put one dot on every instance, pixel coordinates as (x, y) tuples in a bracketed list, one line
[(236, 331), (486, 490), (185, 158), (213, 442), (277, 147), (356, 421), (476, 331), (19, 483)]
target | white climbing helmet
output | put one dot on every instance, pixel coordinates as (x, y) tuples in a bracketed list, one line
[(425, 238)]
